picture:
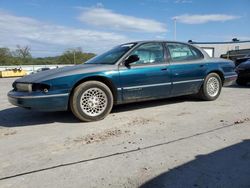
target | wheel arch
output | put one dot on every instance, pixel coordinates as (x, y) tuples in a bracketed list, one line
[(102, 79), (219, 72)]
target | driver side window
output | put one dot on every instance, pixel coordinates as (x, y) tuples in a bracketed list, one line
[(150, 53)]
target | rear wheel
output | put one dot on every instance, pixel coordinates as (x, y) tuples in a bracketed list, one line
[(91, 101), (211, 87)]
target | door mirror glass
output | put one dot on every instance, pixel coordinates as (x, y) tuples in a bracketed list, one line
[(131, 59)]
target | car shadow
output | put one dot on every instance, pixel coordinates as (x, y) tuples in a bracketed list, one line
[(238, 86), (228, 167), (153, 103), (15, 116)]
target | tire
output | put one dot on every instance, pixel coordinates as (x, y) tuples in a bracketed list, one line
[(211, 88), (91, 101), (241, 82)]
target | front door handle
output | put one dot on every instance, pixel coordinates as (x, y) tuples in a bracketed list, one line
[(163, 69)]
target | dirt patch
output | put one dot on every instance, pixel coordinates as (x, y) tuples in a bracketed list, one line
[(8, 132), (99, 137), (242, 121), (142, 121), (184, 113), (139, 121)]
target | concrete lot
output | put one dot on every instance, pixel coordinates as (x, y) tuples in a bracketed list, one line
[(180, 142)]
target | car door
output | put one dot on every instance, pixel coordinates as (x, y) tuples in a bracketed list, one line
[(148, 77), (187, 68)]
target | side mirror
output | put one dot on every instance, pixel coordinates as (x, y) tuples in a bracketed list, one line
[(131, 59)]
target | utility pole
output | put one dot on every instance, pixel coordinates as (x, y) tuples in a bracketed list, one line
[(175, 20)]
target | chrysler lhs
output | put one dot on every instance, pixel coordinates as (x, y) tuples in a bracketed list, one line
[(130, 72)]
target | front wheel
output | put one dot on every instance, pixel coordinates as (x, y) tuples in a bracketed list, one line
[(91, 101), (211, 87)]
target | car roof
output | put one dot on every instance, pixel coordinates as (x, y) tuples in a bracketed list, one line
[(162, 41), (147, 41), (168, 41)]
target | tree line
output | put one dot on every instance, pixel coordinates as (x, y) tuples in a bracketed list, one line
[(22, 56)]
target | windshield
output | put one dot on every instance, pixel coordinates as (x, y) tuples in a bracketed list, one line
[(111, 56)]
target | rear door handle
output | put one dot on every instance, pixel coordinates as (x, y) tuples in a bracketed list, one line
[(163, 69)]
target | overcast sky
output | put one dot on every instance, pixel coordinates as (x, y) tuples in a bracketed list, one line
[(51, 26)]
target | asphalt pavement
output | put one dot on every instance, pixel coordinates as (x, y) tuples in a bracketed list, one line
[(178, 142)]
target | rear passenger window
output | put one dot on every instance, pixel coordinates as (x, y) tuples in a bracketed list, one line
[(183, 52)]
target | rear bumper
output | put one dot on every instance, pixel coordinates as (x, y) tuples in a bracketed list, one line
[(39, 101), (230, 80)]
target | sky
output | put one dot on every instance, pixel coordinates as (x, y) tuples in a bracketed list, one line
[(50, 27)]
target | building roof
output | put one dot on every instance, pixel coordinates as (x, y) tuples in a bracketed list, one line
[(229, 42)]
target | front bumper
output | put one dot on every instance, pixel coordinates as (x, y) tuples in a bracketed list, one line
[(230, 79), (39, 101), (244, 74)]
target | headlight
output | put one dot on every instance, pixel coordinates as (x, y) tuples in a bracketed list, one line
[(27, 87), (23, 87)]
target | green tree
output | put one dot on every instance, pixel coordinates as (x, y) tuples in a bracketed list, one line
[(22, 55), (5, 56), (75, 56)]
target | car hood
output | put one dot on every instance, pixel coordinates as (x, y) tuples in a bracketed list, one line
[(244, 65), (64, 71)]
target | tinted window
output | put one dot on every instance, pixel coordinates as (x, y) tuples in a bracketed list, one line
[(149, 53), (112, 56), (183, 52)]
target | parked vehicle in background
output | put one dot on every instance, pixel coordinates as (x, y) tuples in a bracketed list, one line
[(243, 70), (43, 69), (130, 72), (241, 60), (40, 69), (236, 54)]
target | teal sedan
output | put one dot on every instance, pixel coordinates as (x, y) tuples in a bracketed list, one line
[(130, 72)]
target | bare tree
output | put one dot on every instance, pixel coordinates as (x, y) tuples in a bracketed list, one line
[(23, 52)]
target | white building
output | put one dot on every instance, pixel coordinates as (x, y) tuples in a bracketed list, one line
[(215, 49)]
